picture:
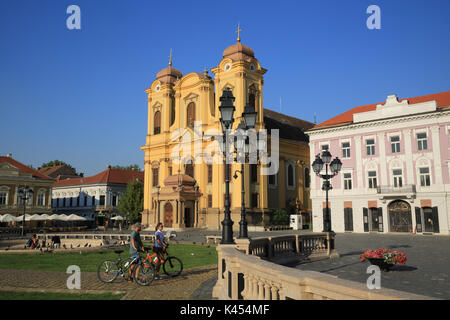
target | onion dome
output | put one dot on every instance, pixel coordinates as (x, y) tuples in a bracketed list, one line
[(238, 51), (169, 75)]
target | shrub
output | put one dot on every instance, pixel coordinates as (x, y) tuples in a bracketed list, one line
[(280, 217)]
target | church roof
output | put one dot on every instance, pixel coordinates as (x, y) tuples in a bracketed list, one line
[(442, 99), (289, 127)]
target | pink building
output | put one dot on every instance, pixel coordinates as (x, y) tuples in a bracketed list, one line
[(395, 173)]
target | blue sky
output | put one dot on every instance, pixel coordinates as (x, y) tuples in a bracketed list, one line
[(78, 95)]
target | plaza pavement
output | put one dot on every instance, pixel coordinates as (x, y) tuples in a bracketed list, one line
[(426, 272)]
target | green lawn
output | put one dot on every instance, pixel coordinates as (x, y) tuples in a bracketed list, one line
[(13, 295), (190, 255)]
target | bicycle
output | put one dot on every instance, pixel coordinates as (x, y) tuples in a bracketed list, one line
[(172, 266), (109, 270)]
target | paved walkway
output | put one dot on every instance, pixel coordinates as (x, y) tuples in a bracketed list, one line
[(427, 271), (183, 287)]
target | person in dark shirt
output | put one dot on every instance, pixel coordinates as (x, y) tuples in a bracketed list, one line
[(136, 246)]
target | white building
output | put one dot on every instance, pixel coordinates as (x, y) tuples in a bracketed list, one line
[(395, 175), (94, 197)]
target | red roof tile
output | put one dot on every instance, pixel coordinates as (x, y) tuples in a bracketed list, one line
[(107, 176), (23, 168), (442, 100)]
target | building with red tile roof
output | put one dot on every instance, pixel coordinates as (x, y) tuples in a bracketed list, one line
[(95, 197), (395, 172), (14, 175)]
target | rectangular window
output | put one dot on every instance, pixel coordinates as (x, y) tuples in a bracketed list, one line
[(70, 201), (422, 143), (210, 173), (372, 179), (85, 200), (347, 181), (170, 170), (114, 201), (425, 180), (254, 200), (253, 173), (78, 201), (272, 180), (395, 144), (40, 199), (370, 145), (57, 202), (325, 147), (155, 173), (209, 200), (102, 200), (398, 179), (346, 150), (93, 201), (64, 202), (3, 198)]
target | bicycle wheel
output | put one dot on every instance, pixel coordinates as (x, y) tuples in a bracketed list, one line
[(173, 266), (108, 271), (144, 274)]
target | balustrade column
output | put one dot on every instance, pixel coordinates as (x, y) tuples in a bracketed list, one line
[(267, 291), (260, 290), (274, 290)]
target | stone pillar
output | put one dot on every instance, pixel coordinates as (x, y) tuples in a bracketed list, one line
[(382, 150), (266, 291), (436, 154), (409, 177), (260, 290)]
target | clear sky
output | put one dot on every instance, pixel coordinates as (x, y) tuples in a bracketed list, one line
[(78, 95)]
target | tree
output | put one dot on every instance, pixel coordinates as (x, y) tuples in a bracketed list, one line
[(55, 163), (131, 203), (131, 167), (280, 217)]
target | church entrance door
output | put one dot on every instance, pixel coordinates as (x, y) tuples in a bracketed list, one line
[(168, 215)]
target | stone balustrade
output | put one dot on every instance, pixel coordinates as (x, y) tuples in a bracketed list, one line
[(246, 272)]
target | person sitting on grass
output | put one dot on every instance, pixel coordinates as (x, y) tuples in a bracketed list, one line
[(136, 246), (159, 248)]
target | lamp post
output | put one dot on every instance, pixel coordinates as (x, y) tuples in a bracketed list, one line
[(226, 111), (241, 145), (24, 194), (335, 167)]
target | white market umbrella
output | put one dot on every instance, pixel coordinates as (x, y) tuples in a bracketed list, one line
[(120, 218), (74, 217), (27, 217), (39, 217), (8, 218)]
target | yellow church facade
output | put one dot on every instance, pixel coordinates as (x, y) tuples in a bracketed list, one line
[(181, 188)]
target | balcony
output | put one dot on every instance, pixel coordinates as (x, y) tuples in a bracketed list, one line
[(404, 192)]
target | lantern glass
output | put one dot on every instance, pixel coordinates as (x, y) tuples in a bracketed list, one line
[(336, 165), (317, 165), (249, 116), (227, 108), (326, 156)]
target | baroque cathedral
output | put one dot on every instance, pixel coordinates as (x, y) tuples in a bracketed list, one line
[(188, 192)]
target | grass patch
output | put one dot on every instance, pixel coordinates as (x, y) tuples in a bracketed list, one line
[(14, 295), (191, 256)]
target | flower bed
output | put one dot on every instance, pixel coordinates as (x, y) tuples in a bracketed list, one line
[(384, 258)]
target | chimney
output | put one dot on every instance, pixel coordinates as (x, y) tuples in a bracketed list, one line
[(108, 167), (9, 155)]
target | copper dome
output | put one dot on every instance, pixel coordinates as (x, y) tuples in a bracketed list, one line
[(238, 51), (169, 75)]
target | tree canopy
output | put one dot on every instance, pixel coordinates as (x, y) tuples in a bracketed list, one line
[(131, 167), (131, 203), (55, 163)]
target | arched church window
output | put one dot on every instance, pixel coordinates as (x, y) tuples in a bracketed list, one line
[(157, 122), (252, 100), (189, 170), (172, 111), (290, 175), (190, 114)]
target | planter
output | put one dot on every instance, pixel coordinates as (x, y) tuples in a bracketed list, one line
[(381, 263)]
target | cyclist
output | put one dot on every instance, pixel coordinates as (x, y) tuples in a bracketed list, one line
[(159, 248), (135, 247)]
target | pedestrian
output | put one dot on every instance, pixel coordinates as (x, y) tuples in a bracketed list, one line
[(136, 246), (159, 248)]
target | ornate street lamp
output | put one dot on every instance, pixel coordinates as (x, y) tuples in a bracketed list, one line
[(24, 194), (226, 111), (335, 167)]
